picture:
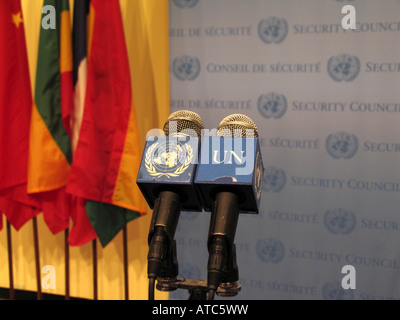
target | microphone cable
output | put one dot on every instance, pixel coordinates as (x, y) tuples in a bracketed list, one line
[(151, 288), (211, 294)]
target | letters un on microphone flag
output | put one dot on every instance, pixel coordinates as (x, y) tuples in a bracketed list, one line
[(15, 116), (107, 155)]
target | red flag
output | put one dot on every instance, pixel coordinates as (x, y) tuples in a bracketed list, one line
[(15, 115), (107, 154), (82, 230)]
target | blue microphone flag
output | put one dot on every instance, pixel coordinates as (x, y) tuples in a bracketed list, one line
[(234, 164), (169, 163)]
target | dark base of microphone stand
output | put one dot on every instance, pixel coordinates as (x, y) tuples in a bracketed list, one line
[(197, 288)]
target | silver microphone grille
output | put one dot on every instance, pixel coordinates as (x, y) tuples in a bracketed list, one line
[(237, 125), (185, 122)]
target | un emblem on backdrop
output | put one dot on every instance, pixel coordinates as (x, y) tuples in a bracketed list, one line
[(343, 67), (186, 67), (270, 250), (274, 179), (185, 3), (273, 30), (272, 105), (341, 145), (334, 291), (340, 221)]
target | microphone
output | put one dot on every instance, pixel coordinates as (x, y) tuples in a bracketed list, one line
[(165, 178), (229, 179)]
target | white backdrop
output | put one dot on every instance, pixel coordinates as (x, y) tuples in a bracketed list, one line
[(327, 105)]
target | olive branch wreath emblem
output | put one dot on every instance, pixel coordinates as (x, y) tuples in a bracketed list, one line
[(258, 177), (152, 170)]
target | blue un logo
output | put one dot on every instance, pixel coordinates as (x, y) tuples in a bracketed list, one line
[(335, 291), (186, 67), (341, 145), (273, 30), (272, 105), (274, 179), (340, 221), (343, 67), (270, 250), (185, 3)]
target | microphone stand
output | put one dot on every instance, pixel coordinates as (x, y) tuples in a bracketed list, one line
[(197, 289), (223, 272), (162, 261), (222, 266)]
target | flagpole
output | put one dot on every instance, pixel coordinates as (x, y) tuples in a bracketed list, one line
[(36, 245), (125, 246), (66, 264), (10, 261), (94, 248)]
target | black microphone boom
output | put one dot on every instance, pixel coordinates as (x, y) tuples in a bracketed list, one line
[(165, 178), (228, 193)]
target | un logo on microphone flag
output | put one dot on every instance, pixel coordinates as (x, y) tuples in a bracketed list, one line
[(169, 161), (258, 176), (168, 158)]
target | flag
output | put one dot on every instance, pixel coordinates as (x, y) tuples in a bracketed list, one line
[(80, 64), (15, 113), (52, 123), (50, 149), (82, 230), (107, 155)]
